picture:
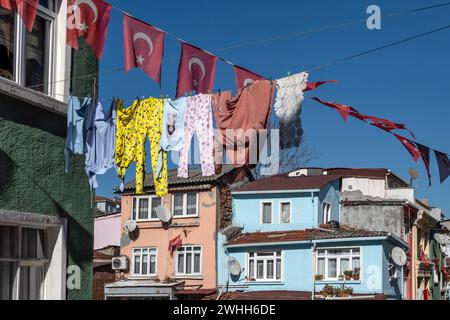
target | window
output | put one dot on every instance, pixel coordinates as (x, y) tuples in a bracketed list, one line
[(265, 266), (143, 205), (285, 212), (266, 212), (144, 261), (188, 260), (331, 263), (326, 212), (23, 261), (185, 204), (25, 56)]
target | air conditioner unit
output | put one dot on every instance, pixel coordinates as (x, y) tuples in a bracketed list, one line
[(119, 263)]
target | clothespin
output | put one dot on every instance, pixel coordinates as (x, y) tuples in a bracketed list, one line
[(289, 73), (167, 96)]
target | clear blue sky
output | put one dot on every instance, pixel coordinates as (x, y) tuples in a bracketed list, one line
[(408, 83)]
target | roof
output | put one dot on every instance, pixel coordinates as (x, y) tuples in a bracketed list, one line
[(197, 292), (304, 235), (195, 177), (104, 199), (285, 295), (359, 172), (142, 283), (284, 182)]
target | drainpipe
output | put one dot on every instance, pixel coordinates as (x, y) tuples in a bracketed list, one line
[(313, 269)]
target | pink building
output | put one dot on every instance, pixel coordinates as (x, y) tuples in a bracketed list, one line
[(174, 260)]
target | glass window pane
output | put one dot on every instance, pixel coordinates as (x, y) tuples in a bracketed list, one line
[(8, 272), (137, 264), (156, 202), (321, 266), (251, 269), (153, 264), (270, 269), (355, 263), (332, 268), (344, 265), (278, 269), (31, 279), (143, 208), (192, 203), (144, 263), (267, 212), (178, 204), (180, 263), (134, 208), (36, 55), (259, 269), (355, 251), (8, 242), (188, 263), (285, 212), (29, 243), (197, 263), (7, 26)]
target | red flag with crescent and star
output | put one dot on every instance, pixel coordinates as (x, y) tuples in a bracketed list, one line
[(88, 19), (27, 10), (144, 47), (244, 77), (443, 165), (412, 149), (425, 154), (343, 109), (196, 70)]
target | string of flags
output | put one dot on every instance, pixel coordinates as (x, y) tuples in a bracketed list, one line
[(415, 149), (144, 49)]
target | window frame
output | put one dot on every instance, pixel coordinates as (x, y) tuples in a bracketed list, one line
[(253, 278), (290, 211), (192, 274), (185, 215), (20, 42), (327, 213), (338, 264), (133, 255), (135, 214), (262, 212)]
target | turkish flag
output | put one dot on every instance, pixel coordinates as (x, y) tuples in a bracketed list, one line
[(443, 164), (343, 110), (26, 9), (88, 19), (243, 77), (144, 47), (314, 85), (388, 125), (412, 149), (176, 243), (196, 70), (425, 154)]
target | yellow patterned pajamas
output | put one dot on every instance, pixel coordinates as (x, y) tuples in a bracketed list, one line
[(134, 124)]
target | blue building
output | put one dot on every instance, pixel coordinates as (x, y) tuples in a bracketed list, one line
[(289, 241)]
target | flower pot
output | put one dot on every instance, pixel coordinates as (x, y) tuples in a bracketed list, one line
[(356, 277), (348, 277)]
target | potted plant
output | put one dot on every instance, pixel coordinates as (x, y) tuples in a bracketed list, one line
[(348, 275), (327, 291), (337, 292), (318, 277), (346, 292), (356, 275)]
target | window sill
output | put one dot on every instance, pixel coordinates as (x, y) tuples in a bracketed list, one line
[(36, 98), (184, 217), (188, 277), (264, 282), (337, 281), (140, 277)]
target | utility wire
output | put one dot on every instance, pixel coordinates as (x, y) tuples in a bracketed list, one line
[(297, 34)]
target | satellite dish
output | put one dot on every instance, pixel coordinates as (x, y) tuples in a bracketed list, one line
[(398, 255), (130, 225), (413, 173), (163, 213), (234, 267), (232, 231)]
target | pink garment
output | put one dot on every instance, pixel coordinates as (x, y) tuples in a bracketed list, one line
[(198, 119)]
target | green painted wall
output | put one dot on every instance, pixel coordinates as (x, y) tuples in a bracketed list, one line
[(32, 177)]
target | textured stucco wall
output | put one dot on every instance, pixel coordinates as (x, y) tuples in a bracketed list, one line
[(374, 217), (32, 177)]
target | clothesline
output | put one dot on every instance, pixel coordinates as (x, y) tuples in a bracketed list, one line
[(337, 26)]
